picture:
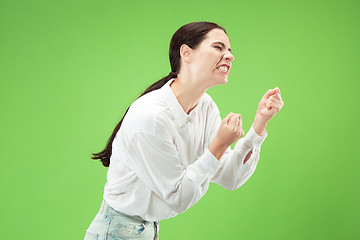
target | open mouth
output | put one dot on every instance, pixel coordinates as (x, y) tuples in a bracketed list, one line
[(224, 69)]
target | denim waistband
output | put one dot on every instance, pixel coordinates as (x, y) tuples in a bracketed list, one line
[(105, 209)]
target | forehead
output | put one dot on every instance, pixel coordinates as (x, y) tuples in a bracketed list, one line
[(216, 35)]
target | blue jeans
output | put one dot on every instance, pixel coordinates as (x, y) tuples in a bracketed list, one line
[(110, 224)]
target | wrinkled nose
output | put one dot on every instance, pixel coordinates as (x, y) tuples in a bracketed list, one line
[(229, 57)]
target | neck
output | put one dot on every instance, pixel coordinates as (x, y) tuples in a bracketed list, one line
[(188, 93)]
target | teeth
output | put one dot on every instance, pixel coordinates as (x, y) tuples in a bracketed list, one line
[(223, 68)]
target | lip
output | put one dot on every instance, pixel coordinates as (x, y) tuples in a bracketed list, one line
[(228, 67)]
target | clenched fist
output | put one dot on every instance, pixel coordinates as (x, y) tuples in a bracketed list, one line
[(270, 104), (230, 131)]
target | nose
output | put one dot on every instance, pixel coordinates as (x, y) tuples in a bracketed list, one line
[(229, 57)]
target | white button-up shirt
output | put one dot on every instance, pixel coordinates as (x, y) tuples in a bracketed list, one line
[(160, 163)]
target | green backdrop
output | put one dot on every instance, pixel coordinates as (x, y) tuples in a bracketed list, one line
[(69, 70)]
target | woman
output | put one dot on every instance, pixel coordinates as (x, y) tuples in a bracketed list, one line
[(172, 141)]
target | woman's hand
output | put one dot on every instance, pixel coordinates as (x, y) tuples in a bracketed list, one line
[(270, 105), (230, 131)]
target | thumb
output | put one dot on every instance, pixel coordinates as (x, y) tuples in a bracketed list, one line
[(269, 93)]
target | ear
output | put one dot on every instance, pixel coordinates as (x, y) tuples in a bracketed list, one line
[(185, 53)]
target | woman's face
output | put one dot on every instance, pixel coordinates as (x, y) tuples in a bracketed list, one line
[(211, 60)]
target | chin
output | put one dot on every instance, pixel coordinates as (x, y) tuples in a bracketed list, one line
[(224, 81), (219, 80)]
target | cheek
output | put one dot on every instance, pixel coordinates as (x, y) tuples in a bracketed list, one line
[(209, 60)]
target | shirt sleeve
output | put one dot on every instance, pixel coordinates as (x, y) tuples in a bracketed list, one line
[(233, 172), (156, 162)]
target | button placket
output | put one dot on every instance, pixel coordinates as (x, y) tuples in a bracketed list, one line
[(190, 138)]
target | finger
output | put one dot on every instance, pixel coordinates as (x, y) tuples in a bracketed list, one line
[(234, 121), (276, 96), (226, 119), (277, 89), (269, 93), (236, 127), (274, 106), (267, 104), (240, 123), (232, 118), (242, 133), (279, 104), (274, 100), (278, 101), (241, 128)]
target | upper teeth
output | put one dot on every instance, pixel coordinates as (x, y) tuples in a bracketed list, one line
[(223, 68)]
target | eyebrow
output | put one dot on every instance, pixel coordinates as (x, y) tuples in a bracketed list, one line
[(222, 44)]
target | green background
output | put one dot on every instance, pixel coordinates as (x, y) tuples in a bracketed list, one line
[(69, 70)]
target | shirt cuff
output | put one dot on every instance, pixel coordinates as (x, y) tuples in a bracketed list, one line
[(252, 139), (209, 162)]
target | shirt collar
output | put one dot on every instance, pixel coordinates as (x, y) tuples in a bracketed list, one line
[(180, 116)]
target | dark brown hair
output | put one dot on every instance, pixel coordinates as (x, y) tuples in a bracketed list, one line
[(191, 34)]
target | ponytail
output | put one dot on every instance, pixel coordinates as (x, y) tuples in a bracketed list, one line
[(104, 155)]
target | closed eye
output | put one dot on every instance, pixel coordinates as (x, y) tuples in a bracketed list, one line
[(218, 47)]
